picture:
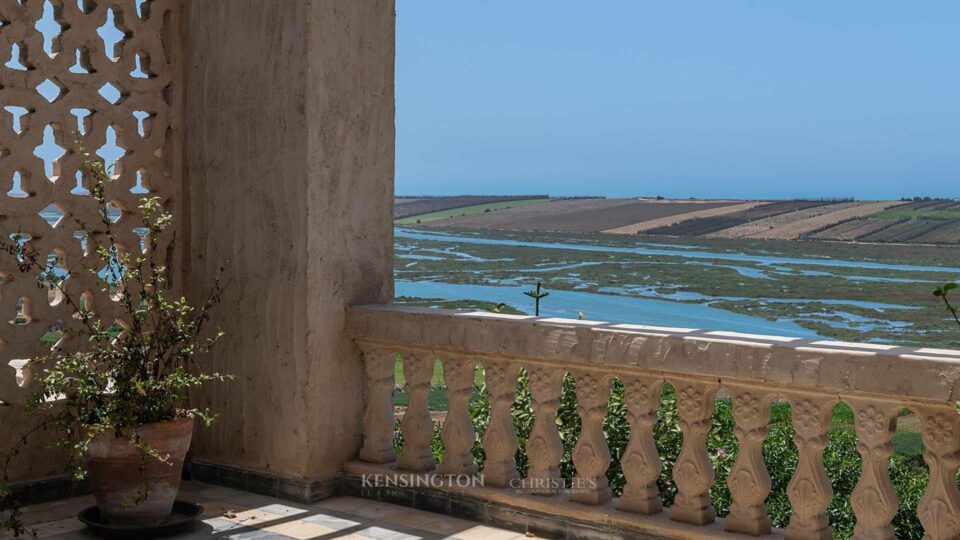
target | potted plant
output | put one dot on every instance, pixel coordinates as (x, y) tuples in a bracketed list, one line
[(116, 400)]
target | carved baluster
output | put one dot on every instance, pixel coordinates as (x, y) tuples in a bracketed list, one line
[(939, 509), (591, 456), (545, 447), (641, 462), (873, 499), (693, 471), (417, 426), (500, 441), (809, 489), (749, 480), (457, 433), (378, 414)]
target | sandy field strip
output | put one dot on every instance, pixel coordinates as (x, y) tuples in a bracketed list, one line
[(761, 225), (794, 224), (694, 212), (707, 225), (582, 215)]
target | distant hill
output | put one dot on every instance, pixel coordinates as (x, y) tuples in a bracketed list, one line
[(904, 221), (408, 206)]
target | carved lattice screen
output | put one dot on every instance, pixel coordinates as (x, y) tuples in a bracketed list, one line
[(101, 73)]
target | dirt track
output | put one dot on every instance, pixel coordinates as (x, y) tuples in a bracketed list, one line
[(792, 225)]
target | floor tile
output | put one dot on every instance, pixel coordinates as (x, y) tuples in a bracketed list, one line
[(362, 507), (220, 508), (285, 509), (55, 528), (386, 532), (302, 530), (254, 517), (435, 523), (327, 519), (482, 532)]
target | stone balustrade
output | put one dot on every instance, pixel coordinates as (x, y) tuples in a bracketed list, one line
[(876, 381)]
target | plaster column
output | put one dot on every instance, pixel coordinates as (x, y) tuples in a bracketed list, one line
[(289, 163)]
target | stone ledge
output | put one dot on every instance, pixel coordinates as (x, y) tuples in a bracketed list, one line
[(60, 487), (901, 374), (265, 483), (550, 517), (52, 488)]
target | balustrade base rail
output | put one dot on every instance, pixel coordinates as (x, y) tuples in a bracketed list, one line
[(544, 516)]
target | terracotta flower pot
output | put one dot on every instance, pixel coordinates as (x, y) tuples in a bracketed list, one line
[(118, 480)]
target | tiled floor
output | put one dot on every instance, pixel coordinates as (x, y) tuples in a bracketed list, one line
[(236, 514)]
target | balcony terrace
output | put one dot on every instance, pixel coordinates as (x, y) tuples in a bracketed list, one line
[(230, 513), (267, 128)]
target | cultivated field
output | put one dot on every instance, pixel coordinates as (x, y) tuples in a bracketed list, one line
[(703, 226), (928, 222), (703, 211), (587, 215), (854, 229), (801, 222), (922, 222)]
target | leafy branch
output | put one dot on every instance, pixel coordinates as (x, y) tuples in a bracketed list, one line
[(944, 294), (537, 295)]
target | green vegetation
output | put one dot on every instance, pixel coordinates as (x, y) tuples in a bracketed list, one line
[(907, 441), (944, 294), (907, 469), (436, 399), (537, 296), (468, 210), (474, 305)]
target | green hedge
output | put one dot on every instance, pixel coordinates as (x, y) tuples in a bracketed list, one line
[(909, 473)]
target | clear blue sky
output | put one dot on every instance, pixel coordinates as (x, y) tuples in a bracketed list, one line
[(857, 98)]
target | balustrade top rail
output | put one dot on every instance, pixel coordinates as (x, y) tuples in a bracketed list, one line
[(902, 374)]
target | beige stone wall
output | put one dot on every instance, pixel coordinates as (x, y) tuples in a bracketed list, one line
[(289, 159)]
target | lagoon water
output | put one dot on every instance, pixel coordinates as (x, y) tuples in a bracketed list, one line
[(653, 305), (676, 252), (608, 308)]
